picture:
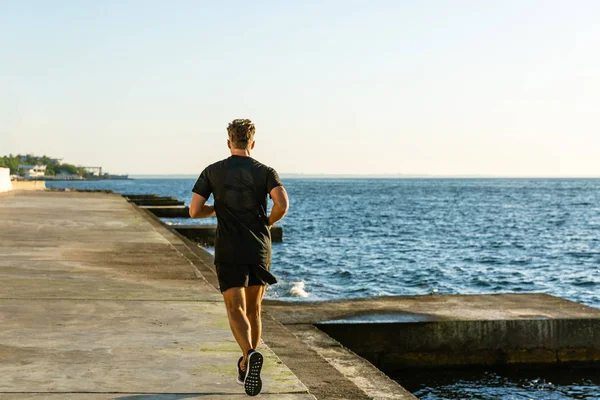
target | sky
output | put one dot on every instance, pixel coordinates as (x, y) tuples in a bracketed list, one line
[(445, 88)]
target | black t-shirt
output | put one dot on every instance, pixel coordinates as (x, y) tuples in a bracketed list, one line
[(240, 186)]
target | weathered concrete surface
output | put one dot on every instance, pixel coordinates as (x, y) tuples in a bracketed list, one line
[(362, 373), (509, 306), (96, 303), (28, 185), (152, 396), (456, 330)]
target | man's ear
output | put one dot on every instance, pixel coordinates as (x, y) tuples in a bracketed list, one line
[(252, 145), (229, 143)]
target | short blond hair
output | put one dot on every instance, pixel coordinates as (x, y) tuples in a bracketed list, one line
[(241, 133)]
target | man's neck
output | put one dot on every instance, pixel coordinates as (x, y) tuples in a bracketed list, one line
[(241, 153)]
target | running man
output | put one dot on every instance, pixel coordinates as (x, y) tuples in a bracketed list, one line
[(240, 186)]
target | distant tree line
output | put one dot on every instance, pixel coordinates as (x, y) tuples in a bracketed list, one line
[(53, 166)]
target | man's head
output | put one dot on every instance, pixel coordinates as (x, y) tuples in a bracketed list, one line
[(241, 134)]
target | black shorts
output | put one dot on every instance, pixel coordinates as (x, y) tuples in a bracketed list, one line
[(243, 275)]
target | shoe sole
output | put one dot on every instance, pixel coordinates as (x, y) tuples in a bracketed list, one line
[(253, 383)]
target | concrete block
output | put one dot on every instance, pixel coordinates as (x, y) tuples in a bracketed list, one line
[(28, 185), (452, 330), (169, 211), (5, 183), (139, 196), (206, 234), (159, 201)]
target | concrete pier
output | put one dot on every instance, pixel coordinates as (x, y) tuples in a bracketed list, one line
[(98, 302), (455, 330)]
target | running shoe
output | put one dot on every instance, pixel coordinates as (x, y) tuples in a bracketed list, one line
[(252, 382), (241, 375)]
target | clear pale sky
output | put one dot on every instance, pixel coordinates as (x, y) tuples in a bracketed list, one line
[(502, 88)]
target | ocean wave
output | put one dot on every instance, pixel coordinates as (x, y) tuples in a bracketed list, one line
[(343, 273), (582, 254), (297, 289)]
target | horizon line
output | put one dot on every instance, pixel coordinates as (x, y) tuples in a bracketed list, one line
[(371, 176)]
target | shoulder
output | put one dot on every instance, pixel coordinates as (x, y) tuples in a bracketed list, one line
[(270, 176), (217, 165), (263, 167)]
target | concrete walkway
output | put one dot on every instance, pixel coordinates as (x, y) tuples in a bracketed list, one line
[(96, 304)]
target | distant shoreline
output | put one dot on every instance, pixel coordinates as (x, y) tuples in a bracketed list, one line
[(324, 176), (52, 179)]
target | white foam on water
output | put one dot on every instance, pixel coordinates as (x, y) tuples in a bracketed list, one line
[(297, 289)]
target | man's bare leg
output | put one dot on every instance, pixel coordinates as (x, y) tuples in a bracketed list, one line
[(235, 302), (254, 295)]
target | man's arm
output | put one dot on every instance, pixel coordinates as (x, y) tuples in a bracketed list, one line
[(280, 204), (200, 210)]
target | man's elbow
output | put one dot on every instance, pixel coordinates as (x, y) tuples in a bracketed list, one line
[(193, 213), (284, 206)]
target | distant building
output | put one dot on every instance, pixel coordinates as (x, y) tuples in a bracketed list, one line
[(32, 171), (63, 175), (94, 171)]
